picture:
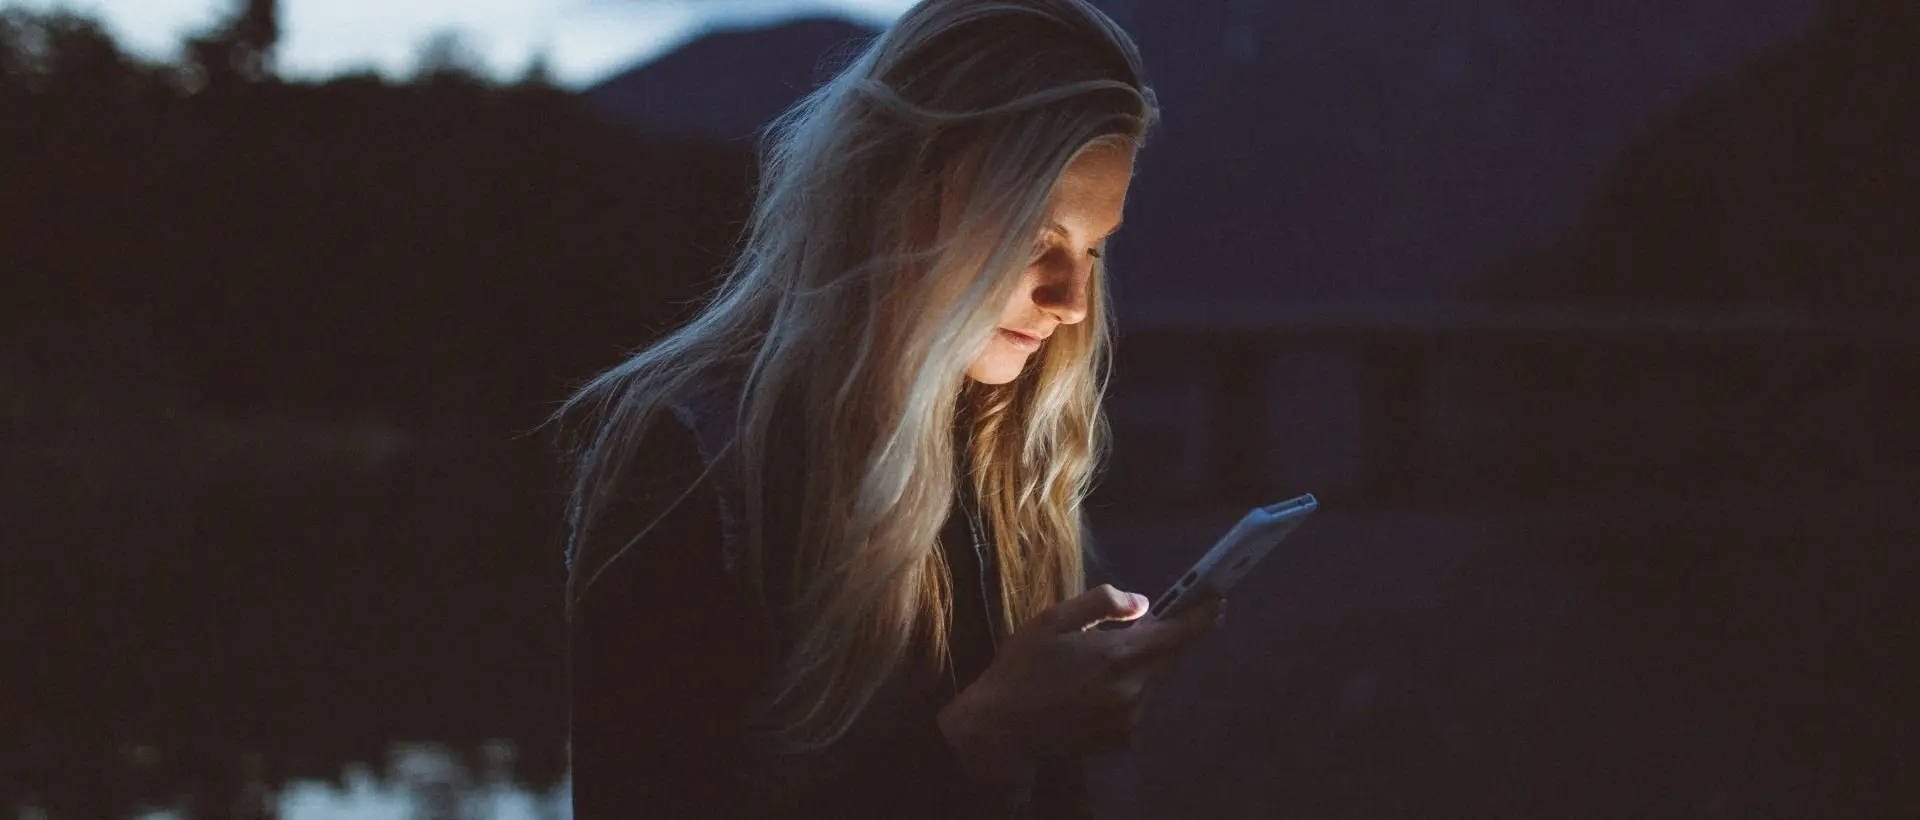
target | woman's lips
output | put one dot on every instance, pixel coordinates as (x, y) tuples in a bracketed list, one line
[(1020, 341)]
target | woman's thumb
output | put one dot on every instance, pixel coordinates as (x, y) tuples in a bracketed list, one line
[(1095, 606)]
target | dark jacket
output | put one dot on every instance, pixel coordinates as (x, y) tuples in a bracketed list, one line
[(668, 645)]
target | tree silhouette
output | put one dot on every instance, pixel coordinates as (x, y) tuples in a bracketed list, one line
[(538, 71), (240, 50), (62, 55), (448, 56)]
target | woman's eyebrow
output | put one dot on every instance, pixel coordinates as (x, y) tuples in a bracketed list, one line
[(1056, 227)]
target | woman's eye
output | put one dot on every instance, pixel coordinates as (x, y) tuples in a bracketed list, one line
[(1096, 253)]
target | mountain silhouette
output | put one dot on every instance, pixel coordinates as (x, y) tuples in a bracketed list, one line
[(1388, 150), (1786, 187), (730, 83)]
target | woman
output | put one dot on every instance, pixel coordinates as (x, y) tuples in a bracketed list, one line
[(827, 556)]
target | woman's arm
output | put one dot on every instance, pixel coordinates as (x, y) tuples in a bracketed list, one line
[(666, 652), (662, 654)]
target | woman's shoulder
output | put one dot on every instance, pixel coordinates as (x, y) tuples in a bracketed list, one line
[(680, 444), (657, 548), (706, 412), (660, 508)]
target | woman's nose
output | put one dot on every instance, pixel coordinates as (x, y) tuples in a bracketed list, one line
[(1065, 296)]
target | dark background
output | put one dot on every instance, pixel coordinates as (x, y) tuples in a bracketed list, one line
[(1591, 324)]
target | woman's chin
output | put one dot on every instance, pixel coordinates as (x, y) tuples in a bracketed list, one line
[(997, 367)]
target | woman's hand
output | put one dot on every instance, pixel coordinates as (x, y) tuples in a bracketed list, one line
[(1060, 686)]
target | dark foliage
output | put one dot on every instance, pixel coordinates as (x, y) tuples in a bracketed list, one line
[(271, 351), (443, 249)]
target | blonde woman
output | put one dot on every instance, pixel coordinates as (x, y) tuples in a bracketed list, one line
[(826, 555)]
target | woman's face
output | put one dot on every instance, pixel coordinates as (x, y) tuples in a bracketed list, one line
[(1083, 211)]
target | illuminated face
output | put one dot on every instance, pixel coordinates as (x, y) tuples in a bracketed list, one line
[(1084, 209)]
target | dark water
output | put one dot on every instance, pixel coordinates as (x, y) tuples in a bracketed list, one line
[(1676, 652), (1736, 658)]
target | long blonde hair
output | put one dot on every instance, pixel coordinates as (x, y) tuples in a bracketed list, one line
[(897, 209)]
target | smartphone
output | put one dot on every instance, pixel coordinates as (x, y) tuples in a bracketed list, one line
[(1236, 553)]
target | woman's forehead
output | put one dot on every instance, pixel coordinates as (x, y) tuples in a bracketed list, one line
[(1090, 199)]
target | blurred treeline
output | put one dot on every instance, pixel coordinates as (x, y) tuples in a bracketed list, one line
[(269, 349), (1771, 217), (1789, 185)]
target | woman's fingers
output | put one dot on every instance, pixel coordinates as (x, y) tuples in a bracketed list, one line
[(1094, 607), (1155, 638), (1094, 683), (1156, 661)]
